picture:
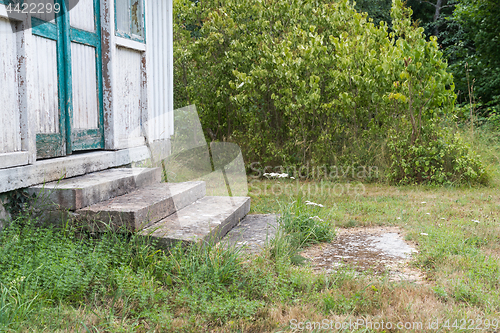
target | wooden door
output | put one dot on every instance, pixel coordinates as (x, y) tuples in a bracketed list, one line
[(85, 82), (49, 98), (70, 117)]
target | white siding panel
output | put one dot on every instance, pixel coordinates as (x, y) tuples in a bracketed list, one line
[(10, 128), (128, 95), (82, 16), (160, 70), (85, 105), (46, 98)]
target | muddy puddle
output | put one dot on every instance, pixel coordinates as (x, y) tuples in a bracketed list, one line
[(379, 251)]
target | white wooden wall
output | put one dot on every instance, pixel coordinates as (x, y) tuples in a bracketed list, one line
[(137, 83), (160, 70), (10, 127), (17, 143), (138, 79)]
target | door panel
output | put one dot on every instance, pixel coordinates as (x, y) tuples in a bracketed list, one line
[(86, 83), (82, 15), (85, 96), (69, 73), (129, 90), (46, 100)]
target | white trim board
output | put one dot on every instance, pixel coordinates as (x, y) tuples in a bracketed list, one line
[(68, 166), (9, 160), (130, 44)]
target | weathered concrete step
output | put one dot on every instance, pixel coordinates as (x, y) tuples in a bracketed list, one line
[(82, 191), (253, 233), (143, 207), (209, 218)]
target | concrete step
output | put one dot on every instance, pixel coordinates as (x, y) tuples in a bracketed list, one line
[(143, 207), (82, 191), (252, 233), (209, 218)]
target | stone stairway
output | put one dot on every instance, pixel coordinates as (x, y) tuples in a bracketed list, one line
[(134, 199)]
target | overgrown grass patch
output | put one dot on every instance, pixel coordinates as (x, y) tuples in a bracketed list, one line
[(54, 279)]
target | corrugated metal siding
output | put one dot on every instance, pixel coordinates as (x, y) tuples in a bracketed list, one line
[(128, 106), (85, 106), (160, 70), (82, 16), (10, 132), (45, 99)]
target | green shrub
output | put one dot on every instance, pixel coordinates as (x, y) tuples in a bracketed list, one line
[(438, 157), (306, 81)]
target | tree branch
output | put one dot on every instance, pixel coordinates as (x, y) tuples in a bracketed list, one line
[(430, 3)]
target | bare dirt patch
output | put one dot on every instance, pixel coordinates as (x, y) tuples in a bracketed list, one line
[(379, 250)]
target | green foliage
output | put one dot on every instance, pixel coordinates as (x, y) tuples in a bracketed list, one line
[(300, 81), (58, 265), (16, 201), (377, 10), (15, 304), (206, 263), (476, 43), (437, 157), (462, 246), (303, 223), (299, 226), (359, 303), (42, 266)]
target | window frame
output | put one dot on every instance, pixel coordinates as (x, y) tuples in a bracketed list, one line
[(131, 36), (8, 2)]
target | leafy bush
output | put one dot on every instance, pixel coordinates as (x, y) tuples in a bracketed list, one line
[(304, 81), (437, 157)]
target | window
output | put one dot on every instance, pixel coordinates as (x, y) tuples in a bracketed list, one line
[(130, 19)]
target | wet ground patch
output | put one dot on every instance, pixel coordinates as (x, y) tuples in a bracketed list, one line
[(379, 250)]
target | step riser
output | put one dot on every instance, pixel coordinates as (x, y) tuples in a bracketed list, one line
[(131, 221), (87, 190), (207, 223), (135, 212), (217, 234)]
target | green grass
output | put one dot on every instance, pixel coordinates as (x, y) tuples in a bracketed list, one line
[(61, 280)]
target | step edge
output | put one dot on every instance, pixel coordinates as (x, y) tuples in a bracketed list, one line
[(141, 218), (215, 235), (82, 197)]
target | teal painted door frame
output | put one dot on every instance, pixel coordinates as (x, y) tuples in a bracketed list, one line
[(69, 139)]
